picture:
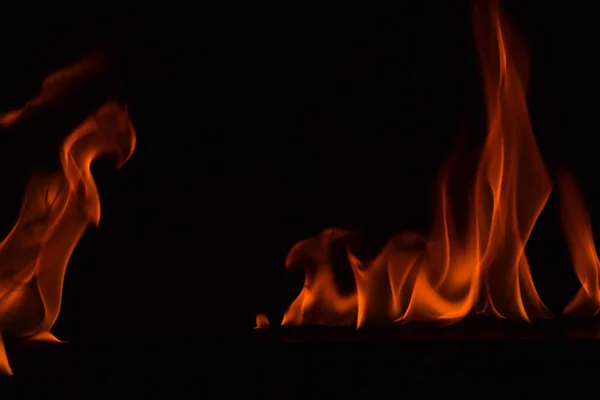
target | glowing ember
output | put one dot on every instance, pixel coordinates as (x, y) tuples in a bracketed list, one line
[(455, 270), (56, 210)]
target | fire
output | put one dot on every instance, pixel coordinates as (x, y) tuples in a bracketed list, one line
[(262, 321), (56, 210), (578, 230), (454, 270)]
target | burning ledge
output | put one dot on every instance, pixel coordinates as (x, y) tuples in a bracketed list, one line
[(475, 264)]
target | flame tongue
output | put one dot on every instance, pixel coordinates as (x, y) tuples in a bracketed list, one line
[(452, 273), (319, 302), (56, 210), (512, 184), (578, 230)]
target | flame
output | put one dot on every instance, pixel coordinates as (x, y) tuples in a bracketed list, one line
[(60, 84), (580, 240), (454, 270), (56, 210), (262, 321)]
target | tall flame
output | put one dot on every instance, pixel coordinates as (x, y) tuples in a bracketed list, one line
[(56, 210), (452, 272), (578, 230)]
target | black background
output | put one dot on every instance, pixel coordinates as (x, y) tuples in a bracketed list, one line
[(260, 125)]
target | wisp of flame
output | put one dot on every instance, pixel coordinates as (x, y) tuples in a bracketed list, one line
[(55, 212), (580, 240), (452, 272)]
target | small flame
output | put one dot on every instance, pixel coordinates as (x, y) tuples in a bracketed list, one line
[(262, 322), (578, 230), (56, 210), (454, 270), (5, 368)]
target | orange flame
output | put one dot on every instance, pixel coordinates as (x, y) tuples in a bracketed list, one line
[(56, 210), (453, 271), (262, 321), (580, 240)]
